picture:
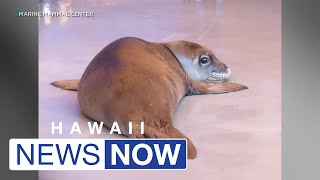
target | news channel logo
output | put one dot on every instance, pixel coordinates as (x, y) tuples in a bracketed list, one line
[(97, 154)]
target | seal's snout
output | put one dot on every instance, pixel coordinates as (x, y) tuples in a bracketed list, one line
[(224, 67), (219, 67), (228, 73), (220, 76)]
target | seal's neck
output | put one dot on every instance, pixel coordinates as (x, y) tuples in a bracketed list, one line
[(179, 51), (165, 45)]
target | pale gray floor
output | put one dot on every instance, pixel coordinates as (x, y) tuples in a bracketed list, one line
[(238, 135)]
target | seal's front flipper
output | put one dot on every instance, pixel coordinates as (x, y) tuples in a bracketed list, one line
[(67, 84), (166, 131), (198, 88)]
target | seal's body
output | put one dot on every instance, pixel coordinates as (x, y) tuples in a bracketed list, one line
[(132, 80)]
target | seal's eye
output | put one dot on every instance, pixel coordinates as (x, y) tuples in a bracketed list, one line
[(204, 60)]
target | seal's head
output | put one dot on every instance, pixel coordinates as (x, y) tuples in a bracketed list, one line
[(199, 62)]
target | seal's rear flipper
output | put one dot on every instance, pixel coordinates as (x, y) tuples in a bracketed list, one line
[(67, 84), (166, 132), (192, 151), (198, 88)]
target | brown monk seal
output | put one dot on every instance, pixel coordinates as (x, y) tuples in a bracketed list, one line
[(133, 80)]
